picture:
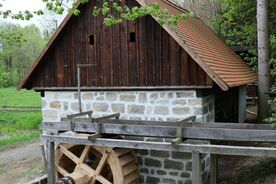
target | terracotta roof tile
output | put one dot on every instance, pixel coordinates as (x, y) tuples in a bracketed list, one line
[(210, 49)]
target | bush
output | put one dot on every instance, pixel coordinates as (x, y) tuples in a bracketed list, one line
[(4, 79)]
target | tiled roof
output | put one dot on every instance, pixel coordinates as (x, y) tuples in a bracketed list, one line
[(210, 52)]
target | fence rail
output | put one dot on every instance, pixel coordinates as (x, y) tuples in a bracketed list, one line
[(19, 109)]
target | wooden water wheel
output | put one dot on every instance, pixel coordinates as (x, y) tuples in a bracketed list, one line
[(95, 165)]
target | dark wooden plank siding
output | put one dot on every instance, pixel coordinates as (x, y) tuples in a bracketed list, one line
[(153, 59)]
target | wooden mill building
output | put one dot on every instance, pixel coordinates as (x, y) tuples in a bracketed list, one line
[(141, 70)]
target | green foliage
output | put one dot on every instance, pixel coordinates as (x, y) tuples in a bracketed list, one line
[(236, 22), (124, 12), (18, 50), (272, 101), (4, 79)]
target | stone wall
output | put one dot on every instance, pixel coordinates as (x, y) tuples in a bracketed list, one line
[(155, 166)]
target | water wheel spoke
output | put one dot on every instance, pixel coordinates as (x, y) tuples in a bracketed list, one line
[(84, 154), (62, 171), (88, 169), (100, 167), (70, 155), (102, 180)]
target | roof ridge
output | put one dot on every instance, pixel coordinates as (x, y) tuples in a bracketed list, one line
[(173, 4)]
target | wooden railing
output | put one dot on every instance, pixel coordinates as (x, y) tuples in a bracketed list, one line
[(19, 109), (212, 133)]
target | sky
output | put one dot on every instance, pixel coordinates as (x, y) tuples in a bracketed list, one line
[(22, 5)]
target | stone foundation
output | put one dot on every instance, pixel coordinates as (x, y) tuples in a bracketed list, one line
[(155, 166)]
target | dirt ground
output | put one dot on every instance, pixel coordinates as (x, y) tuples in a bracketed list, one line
[(21, 164)]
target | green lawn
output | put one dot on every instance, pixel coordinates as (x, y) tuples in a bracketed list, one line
[(16, 128)]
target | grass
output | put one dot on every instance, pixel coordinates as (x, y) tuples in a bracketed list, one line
[(17, 128)]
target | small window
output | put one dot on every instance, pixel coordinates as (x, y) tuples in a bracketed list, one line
[(91, 39), (132, 37)]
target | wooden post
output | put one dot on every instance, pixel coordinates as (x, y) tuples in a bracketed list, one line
[(213, 168), (44, 161), (196, 175), (51, 162)]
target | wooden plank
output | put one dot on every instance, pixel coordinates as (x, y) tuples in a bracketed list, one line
[(192, 72), (201, 76), (85, 121), (184, 68), (82, 46), (150, 51), (116, 35), (157, 53), (106, 55), (174, 62), (59, 65), (142, 49), (124, 55), (201, 148), (165, 58), (132, 54), (90, 48), (192, 132), (213, 168), (50, 149), (98, 46), (65, 58), (196, 168)]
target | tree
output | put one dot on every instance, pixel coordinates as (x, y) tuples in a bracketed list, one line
[(263, 60), (237, 25), (17, 57)]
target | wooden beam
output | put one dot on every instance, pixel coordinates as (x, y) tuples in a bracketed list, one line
[(79, 114), (213, 168), (192, 132), (50, 148), (130, 88), (64, 123), (183, 147), (196, 168)]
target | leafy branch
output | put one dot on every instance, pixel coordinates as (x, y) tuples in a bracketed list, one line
[(123, 12)]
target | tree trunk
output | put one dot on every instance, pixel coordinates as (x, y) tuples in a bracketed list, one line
[(263, 60)]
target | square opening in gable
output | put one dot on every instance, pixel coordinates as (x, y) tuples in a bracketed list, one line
[(91, 39), (132, 37)]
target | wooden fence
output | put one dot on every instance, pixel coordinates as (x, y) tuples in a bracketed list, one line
[(19, 109)]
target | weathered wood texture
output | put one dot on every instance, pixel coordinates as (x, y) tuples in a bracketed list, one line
[(190, 130), (200, 148), (153, 59), (50, 148), (196, 175)]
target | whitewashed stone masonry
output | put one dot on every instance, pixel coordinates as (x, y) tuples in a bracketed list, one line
[(140, 105), (156, 167)]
